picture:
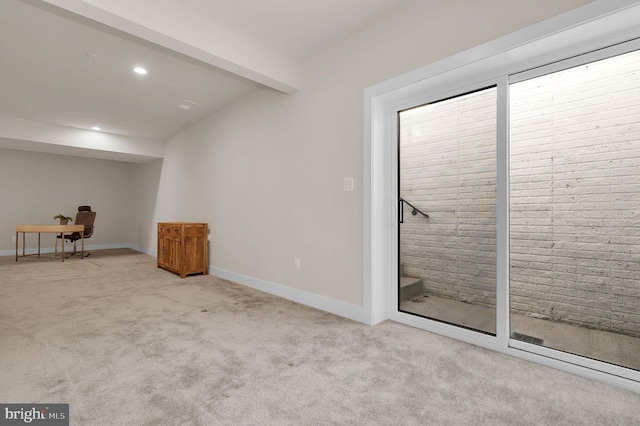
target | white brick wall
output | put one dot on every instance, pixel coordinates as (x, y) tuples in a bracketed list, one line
[(575, 196), (449, 172)]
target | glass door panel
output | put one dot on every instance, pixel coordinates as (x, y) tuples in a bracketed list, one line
[(447, 188), (575, 210)]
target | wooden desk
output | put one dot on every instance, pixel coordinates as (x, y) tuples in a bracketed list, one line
[(55, 229)]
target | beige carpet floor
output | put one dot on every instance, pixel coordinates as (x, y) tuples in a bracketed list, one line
[(125, 343)]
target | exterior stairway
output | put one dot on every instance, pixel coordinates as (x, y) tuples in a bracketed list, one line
[(409, 286)]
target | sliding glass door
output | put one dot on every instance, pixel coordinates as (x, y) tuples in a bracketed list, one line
[(575, 209), (504, 202), (447, 211), (572, 192)]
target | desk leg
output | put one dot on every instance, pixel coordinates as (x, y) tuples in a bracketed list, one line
[(16, 246), (63, 248), (23, 234), (82, 235), (38, 245)]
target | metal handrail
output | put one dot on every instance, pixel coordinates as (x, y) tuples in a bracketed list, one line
[(415, 210)]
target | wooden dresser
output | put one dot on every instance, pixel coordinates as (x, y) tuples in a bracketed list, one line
[(183, 247)]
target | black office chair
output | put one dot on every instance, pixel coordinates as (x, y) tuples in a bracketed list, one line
[(84, 217)]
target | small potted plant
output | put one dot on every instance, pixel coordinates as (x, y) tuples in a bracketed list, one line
[(63, 219)]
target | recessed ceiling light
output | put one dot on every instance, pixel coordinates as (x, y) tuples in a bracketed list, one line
[(96, 128), (140, 70)]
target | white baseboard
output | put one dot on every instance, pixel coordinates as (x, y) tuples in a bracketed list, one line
[(153, 253), (337, 307)]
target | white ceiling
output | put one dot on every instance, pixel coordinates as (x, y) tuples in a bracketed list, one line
[(68, 63)]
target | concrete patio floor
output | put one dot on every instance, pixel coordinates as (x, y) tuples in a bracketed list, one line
[(605, 346)]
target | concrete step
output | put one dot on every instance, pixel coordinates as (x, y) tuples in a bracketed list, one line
[(410, 287)]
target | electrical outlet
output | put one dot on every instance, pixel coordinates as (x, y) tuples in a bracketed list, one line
[(297, 264)]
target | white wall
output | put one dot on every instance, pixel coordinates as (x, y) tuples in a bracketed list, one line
[(36, 186), (143, 184), (267, 172)]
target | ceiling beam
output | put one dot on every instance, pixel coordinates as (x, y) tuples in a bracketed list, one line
[(27, 135), (165, 23)]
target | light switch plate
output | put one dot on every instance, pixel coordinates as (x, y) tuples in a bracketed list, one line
[(348, 184)]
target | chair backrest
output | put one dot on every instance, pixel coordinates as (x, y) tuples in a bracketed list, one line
[(86, 218)]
